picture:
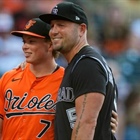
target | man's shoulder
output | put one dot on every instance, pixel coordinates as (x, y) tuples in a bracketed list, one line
[(61, 68), (59, 72), (11, 74)]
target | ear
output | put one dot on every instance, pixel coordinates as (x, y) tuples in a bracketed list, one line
[(83, 29), (50, 46)]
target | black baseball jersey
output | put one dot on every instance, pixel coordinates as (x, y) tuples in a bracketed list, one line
[(87, 72)]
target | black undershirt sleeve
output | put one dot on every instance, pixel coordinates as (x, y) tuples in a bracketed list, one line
[(88, 76)]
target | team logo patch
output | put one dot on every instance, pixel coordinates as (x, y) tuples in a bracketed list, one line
[(29, 24), (55, 10)]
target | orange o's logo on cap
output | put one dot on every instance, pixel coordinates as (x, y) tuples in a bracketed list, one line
[(29, 24)]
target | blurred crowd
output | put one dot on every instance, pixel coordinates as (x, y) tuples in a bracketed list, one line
[(113, 31)]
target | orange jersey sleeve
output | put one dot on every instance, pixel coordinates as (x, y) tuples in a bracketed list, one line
[(28, 104)]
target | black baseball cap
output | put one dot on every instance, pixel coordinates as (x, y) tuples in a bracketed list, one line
[(66, 11), (34, 27)]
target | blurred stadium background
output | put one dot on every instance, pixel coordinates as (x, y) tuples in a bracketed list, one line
[(114, 29)]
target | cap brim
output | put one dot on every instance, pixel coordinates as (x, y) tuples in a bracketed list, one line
[(21, 33), (49, 17)]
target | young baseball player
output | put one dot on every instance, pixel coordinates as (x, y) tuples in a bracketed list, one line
[(28, 97), (88, 92)]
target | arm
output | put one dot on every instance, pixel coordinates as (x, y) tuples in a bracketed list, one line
[(1, 128), (87, 109), (22, 66)]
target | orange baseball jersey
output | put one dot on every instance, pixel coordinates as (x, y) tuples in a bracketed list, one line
[(27, 104)]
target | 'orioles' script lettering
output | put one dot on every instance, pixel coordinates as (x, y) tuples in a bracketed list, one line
[(16, 102)]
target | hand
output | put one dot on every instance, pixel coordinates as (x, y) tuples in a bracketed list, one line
[(22, 66), (114, 122)]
